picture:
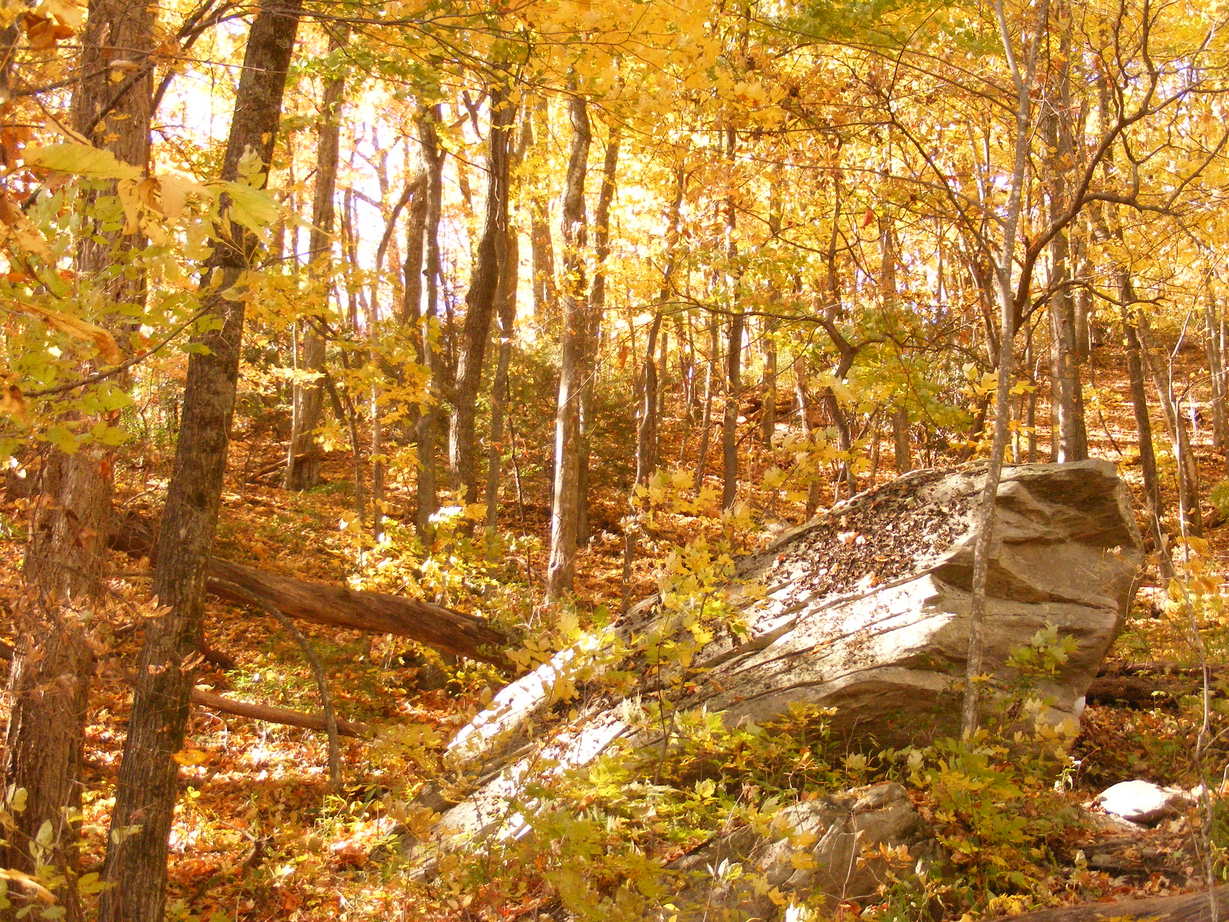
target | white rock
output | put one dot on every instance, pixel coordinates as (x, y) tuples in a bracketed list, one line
[(1142, 801)]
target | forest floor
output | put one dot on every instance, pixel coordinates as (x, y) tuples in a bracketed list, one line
[(260, 834)]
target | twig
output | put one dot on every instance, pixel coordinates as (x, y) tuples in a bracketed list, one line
[(326, 697), (122, 366)]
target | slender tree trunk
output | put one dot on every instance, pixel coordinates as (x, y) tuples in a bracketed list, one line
[(480, 301), (647, 410), (900, 440), (710, 391), (541, 246), (426, 502), (593, 336), (303, 456), (889, 291), (1143, 426), (1003, 277), (1214, 349), (414, 188), (509, 281), (565, 512), (53, 662), (734, 347), (804, 414), (1188, 471), (148, 778), (768, 406)]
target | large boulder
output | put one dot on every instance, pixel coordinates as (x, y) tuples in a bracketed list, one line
[(822, 851), (863, 610)]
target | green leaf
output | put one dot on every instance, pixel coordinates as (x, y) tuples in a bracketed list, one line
[(253, 208), (64, 439), (81, 160)]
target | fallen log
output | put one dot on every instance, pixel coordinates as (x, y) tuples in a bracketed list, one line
[(273, 714), (336, 606), (1152, 686), (1185, 907), (374, 612)]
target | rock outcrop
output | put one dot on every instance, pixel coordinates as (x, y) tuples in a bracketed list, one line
[(863, 610), (822, 851)]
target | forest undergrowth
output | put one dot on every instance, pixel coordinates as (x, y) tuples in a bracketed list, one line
[(260, 834)]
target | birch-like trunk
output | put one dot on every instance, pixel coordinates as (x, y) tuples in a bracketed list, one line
[(565, 509)]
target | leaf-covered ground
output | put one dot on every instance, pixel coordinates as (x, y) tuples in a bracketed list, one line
[(260, 834)]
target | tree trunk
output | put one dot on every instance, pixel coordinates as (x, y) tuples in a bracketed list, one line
[(1214, 349), (1004, 279), (900, 441), (565, 509), (540, 243), (734, 347), (1068, 394), (337, 606), (52, 664), (509, 281), (804, 414), (302, 458), (1188, 471), (146, 791), (889, 291), (647, 413), (593, 336), (426, 500), (710, 391), (480, 301), (1143, 426)]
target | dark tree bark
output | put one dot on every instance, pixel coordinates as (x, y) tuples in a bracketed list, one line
[(271, 713), (52, 664), (541, 246), (565, 512), (302, 459), (593, 335), (1143, 425), (480, 301), (338, 606), (1056, 129), (147, 788), (509, 280), (426, 501)]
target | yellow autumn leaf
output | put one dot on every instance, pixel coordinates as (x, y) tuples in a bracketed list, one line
[(103, 341), (803, 861), (81, 160), (190, 757)]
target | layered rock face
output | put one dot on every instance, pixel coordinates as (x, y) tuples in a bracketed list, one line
[(863, 610)]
